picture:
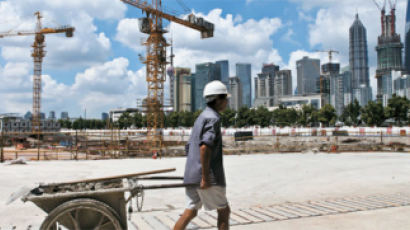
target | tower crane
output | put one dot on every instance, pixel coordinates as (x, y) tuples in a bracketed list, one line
[(38, 54), (330, 52), (156, 61)]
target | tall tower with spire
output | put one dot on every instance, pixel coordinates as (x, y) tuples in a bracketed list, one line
[(358, 55), (407, 39), (359, 62)]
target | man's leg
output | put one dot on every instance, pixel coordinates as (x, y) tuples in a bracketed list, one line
[(223, 218), (184, 220)]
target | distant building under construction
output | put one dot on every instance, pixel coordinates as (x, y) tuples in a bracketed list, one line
[(389, 55)]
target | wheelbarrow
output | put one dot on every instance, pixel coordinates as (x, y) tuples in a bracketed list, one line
[(94, 203)]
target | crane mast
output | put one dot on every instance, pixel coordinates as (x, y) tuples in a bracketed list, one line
[(156, 61), (38, 54)]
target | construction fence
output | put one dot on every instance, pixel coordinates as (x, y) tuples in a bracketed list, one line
[(111, 144)]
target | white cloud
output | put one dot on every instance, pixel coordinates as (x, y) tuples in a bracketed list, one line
[(87, 47), (128, 34), (234, 39), (99, 88)]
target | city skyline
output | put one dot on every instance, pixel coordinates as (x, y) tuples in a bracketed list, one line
[(71, 72)]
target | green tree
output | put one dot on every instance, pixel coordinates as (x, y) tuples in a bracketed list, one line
[(351, 114), (228, 118), (244, 117), (172, 120), (125, 121), (137, 120), (284, 116), (308, 116), (262, 117), (327, 115), (373, 114), (77, 124), (186, 119), (398, 109), (197, 113)]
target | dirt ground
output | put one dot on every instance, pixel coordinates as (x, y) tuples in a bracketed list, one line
[(260, 179)]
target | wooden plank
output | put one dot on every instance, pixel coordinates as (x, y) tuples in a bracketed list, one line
[(354, 206), (246, 215), (200, 223), (337, 206), (119, 176), (258, 215), (395, 198), (269, 213), (392, 200), (241, 220), (281, 212), (316, 205), (366, 206), (379, 204), (207, 218), (166, 221), (155, 222), (317, 212), (329, 204), (140, 223), (386, 203), (295, 207), (287, 208), (215, 215)]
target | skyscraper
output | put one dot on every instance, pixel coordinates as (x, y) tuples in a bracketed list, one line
[(282, 85), (205, 73), (407, 39), (104, 116), (235, 89), (389, 55), (182, 90), (308, 74), (223, 69), (347, 87), (52, 115), (64, 116), (265, 86), (358, 54), (243, 71)]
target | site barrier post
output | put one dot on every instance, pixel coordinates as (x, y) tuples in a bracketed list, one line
[(126, 145), (76, 145), (86, 145), (38, 145), (1, 147)]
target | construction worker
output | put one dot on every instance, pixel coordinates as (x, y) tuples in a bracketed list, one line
[(204, 171)]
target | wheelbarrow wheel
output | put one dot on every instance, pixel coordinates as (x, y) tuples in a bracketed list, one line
[(81, 214)]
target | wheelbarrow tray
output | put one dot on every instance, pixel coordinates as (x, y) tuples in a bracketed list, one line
[(93, 194), (113, 197)]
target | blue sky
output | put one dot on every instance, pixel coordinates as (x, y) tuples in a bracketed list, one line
[(99, 68)]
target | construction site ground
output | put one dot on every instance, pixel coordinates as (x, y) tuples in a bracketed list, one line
[(361, 190)]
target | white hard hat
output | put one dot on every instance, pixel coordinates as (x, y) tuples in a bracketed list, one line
[(215, 88)]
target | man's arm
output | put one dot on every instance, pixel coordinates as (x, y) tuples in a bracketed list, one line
[(205, 153)]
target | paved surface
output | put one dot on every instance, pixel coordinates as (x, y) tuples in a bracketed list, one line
[(253, 181), (289, 215), (263, 215)]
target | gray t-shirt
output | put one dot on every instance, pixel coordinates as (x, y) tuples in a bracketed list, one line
[(206, 130)]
